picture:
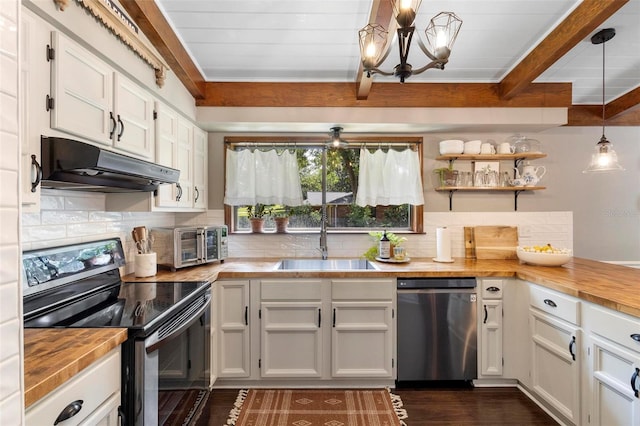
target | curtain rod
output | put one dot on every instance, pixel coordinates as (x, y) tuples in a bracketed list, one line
[(314, 145)]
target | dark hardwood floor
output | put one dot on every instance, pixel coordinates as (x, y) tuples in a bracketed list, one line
[(440, 406)]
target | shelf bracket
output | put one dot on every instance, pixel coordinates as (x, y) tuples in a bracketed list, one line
[(515, 199), (451, 191)]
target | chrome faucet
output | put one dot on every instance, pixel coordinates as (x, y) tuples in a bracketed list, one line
[(324, 219)]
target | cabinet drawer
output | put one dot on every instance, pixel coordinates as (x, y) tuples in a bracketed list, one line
[(358, 289), (554, 303), (614, 326), (94, 385), (491, 289), (291, 289)]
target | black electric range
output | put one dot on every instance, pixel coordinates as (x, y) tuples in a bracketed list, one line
[(80, 286)]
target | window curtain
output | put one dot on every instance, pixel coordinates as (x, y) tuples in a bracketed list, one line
[(389, 178), (265, 177)]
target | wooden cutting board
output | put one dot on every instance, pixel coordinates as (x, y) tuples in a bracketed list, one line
[(494, 242)]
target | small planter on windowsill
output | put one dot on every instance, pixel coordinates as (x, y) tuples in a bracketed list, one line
[(257, 225), (281, 224)]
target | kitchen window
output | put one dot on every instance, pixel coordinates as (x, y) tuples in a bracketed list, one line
[(343, 214)]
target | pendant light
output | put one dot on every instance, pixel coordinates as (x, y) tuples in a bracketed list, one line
[(604, 159), (336, 141)]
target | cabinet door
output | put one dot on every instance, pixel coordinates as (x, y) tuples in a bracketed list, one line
[(491, 338), (362, 339), (233, 329), (166, 151), (134, 118), (35, 83), (200, 169), (184, 163), (82, 89), (291, 339), (613, 376), (555, 363)]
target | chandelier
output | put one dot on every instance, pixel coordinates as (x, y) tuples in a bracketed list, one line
[(441, 34)]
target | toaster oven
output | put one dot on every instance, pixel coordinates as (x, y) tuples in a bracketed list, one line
[(179, 247)]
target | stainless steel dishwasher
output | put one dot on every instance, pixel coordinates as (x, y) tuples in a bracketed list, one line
[(437, 329)]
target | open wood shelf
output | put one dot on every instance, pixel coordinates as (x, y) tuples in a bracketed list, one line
[(490, 157)]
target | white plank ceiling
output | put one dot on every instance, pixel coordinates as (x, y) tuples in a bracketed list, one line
[(316, 41)]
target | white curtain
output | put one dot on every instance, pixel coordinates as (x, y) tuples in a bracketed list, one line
[(389, 178), (264, 177)]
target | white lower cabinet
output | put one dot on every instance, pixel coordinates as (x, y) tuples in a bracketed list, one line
[(613, 380), (234, 356), (555, 351), (93, 393), (291, 329), (363, 328), (491, 330), (314, 330)]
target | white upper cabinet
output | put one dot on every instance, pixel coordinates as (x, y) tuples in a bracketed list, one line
[(200, 169), (184, 163), (94, 102), (34, 88)]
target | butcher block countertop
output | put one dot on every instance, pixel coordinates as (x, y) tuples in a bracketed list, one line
[(54, 355), (613, 286)]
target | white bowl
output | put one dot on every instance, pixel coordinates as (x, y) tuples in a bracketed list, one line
[(543, 259), (451, 146)]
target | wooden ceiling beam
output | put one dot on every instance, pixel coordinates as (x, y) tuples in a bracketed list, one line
[(156, 28), (591, 115), (409, 95), (576, 27), (381, 14), (626, 102)]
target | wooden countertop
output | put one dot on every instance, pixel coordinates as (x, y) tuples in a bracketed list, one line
[(54, 355), (613, 286)]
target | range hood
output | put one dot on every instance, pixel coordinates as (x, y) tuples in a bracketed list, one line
[(73, 165)]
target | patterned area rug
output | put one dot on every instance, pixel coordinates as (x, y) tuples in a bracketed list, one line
[(317, 407)]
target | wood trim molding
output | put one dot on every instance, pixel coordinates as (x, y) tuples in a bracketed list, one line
[(111, 20), (152, 22), (624, 104), (575, 28)]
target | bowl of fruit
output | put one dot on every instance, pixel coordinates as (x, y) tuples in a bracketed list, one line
[(546, 255)]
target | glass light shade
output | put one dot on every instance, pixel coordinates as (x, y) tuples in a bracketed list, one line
[(604, 159), (405, 11), (373, 38), (336, 141), (441, 34)]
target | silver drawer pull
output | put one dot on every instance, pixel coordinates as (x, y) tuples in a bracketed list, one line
[(550, 302), (636, 337), (493, 289)]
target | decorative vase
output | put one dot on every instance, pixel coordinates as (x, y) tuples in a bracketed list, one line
[(257, 224), (281, 224)]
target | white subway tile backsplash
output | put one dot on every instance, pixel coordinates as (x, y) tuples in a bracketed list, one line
[(8, 117), (87, 228), (11, 408), (50, 217), (9, 300), (43, 233), (10, 338), (9, 188), (10, 147), (9, 258), (90, 202), (51, 200), (98, 216), (11, 375), (9, 232)]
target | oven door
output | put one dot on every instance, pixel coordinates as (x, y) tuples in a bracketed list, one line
[(170, 375)]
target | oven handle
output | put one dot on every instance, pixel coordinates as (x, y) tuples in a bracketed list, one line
[(152, 343)]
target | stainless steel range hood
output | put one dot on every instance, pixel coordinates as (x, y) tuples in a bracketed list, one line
[(73, 165)]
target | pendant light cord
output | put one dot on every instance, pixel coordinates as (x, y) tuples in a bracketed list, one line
[(603, 56)]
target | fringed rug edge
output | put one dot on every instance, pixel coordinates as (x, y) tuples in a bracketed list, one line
[(398, 407), (237, 406)]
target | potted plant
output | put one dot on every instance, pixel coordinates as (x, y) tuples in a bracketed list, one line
[(281, 217), (447, 176), (394, 239), (256, 216)]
